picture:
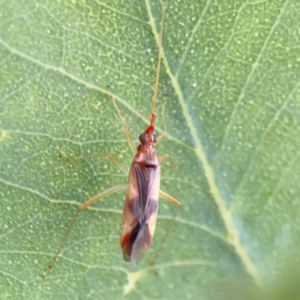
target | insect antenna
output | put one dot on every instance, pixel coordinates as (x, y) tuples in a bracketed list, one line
[(158, 65)]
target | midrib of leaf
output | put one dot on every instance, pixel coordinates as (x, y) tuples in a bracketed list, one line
[(193, 32), (232, 231)]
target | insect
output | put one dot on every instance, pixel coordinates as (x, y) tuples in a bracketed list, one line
[(143, 188)]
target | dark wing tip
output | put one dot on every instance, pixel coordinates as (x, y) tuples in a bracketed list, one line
[(140, 245), (126, 256)]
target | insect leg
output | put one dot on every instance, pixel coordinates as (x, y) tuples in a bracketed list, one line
[(169, 198), (167, 156), (125, 127), (82, 206)]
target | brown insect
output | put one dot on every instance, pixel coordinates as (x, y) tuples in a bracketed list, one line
[(143, 188)]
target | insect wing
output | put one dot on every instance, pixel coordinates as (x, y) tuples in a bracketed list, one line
[(140, 211)]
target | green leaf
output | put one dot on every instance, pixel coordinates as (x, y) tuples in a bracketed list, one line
[(231, 70)]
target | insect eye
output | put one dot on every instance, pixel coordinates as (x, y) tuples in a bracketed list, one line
[(142, 138)]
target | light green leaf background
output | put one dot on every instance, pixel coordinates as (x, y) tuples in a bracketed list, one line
[(231, 70)]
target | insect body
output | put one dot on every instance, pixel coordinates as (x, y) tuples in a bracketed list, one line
[(143, 188), (140, 208)]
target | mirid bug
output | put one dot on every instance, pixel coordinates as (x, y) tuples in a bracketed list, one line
[(143, 188)]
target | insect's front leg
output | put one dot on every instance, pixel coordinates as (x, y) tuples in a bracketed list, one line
[(125, 127)]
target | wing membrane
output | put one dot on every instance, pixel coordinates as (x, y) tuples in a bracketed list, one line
[(146, 178)]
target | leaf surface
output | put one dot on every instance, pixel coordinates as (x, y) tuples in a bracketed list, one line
[(231, 73)]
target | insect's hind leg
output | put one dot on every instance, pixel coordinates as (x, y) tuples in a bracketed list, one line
[(81, 207)]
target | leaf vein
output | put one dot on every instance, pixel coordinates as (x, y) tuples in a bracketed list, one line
[(191, 38), (255, 153), (250, 75), (208, 170)]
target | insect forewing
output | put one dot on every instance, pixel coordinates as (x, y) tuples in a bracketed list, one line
[(140, 211)]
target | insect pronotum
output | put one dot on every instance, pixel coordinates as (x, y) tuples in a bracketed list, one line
[(143, 188)]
